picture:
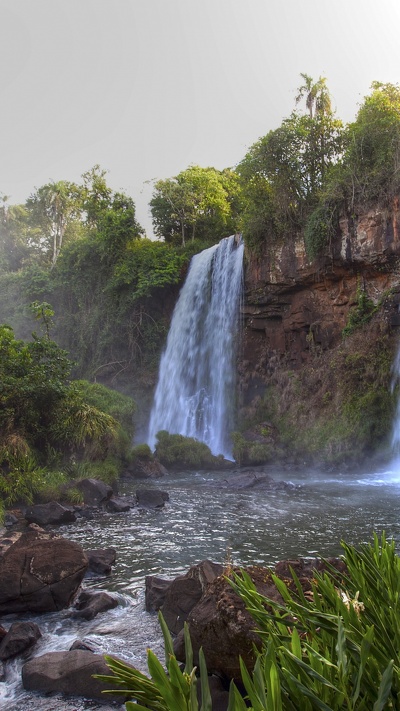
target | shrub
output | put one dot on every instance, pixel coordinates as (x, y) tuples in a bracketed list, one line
[(141, 451), (177, 451)]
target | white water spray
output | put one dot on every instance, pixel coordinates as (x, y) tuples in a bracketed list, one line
[(396, 424), (195, 394)]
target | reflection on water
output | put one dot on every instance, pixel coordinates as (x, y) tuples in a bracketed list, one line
[(205, 520)]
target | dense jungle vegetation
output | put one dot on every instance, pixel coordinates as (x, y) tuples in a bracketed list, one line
[(77, 251)]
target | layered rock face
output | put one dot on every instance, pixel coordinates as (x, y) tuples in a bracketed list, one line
[(293, 306)]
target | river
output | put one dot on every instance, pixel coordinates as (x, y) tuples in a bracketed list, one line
[(204, 520)]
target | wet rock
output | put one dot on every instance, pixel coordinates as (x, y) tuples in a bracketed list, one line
[(69, 673), (221, 625), (185, 592), (94, 491), (151, 498), (86, 512), (118, 504), (86, 645), (146, 469), (49, 514), (10, 520), (219, 694), (155, 591), (252, 478), (91, 604), (20, 636), (101, 559), (40, 572)]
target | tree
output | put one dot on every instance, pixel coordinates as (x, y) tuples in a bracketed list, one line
[(318, 98), (371, 165), (52, 208), (285, 173), (198, 203), (14, 235)]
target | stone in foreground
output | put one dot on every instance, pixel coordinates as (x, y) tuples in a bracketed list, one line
[(69, 673), (40, 572)]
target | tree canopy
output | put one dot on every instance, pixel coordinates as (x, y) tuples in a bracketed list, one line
[(198, 203)]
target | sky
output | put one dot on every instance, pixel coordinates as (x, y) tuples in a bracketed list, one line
[(146, 88)]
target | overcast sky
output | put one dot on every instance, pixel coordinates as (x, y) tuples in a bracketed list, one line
[(147, 87)]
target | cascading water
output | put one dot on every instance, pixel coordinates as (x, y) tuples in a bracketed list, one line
[(196, 386), (396, 424)]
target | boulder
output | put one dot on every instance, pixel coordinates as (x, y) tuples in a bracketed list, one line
[(70, 673), (20, 636), (185, 592), (251, 478), (118, 504), (221, 625), (155, 591), (49, 514), (94, 491), (146, 469), (40, 572), (90, 604), (85, 644), (219, 694), (151, 498), (101, 559), (10, 519)]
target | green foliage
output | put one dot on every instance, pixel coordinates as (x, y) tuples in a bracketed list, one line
[(21, 478), (33, 381), (170, 689), (177, 451), (52, 209), (361, 313), (319, 230), (141, 451), (119, 406), (201, 203), (147, 265), (285, 173), (372, 157), (338, 648), (248, 452), (106, 470), (45, 420)]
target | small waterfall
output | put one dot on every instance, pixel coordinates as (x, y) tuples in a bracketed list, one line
[(195, 394), (396, 424)]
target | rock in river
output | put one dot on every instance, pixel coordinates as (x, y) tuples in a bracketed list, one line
[(40, 572)]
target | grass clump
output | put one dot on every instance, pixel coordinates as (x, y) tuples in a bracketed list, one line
[(179, 452)]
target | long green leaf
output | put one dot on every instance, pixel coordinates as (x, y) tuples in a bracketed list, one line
[(206, 703), (384, 687)]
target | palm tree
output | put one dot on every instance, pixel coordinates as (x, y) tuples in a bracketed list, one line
[(318, 100)]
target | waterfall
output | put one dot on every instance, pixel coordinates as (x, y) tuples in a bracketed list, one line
[(195, 395), (396, 424)]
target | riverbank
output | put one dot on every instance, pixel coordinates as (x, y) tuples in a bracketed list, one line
[(247, 526)]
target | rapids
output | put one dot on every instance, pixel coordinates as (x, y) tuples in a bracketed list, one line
[(204, 520)]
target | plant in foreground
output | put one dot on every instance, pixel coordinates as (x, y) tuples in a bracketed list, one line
[(335, 648), (168, 689)]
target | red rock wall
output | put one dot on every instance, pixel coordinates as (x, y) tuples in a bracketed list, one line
[(293, 306)]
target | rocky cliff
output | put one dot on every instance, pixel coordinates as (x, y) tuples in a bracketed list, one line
[(295, 310)]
